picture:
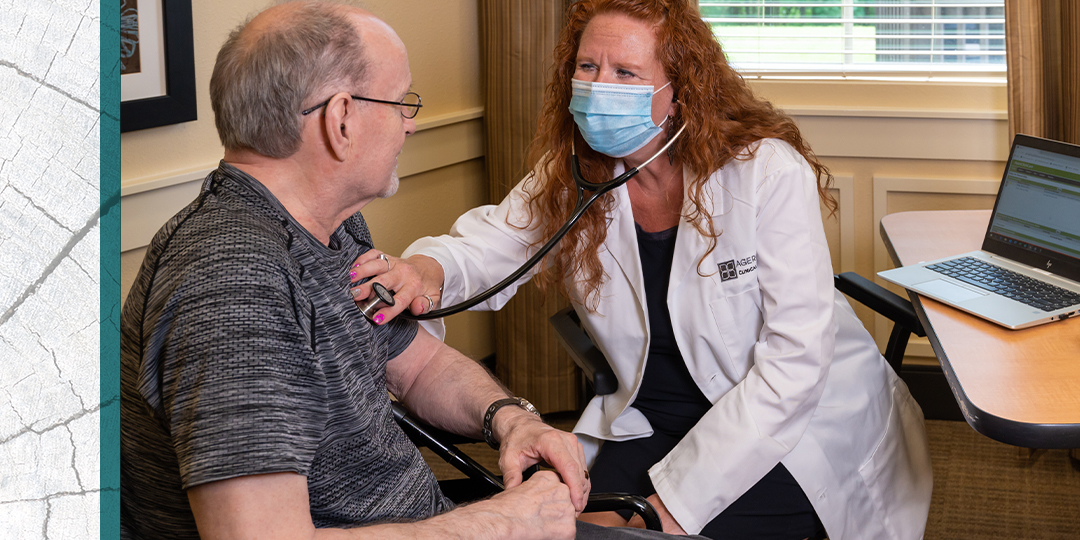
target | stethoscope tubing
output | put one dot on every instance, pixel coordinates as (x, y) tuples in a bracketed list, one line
[(582, 205)]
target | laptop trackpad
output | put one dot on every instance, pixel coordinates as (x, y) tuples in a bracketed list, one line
[(946, 291)]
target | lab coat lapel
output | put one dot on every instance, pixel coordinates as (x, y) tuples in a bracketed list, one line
[(690, 245), (622, 242)]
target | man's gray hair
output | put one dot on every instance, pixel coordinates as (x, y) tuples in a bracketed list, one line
[(262, 82)]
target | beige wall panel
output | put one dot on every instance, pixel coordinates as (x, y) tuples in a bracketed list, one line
[(840, 225), (426, 204), (130, 261), (444, 56), (864, 169), (906, 138), (907, 201), (884, 95), (443, 40)]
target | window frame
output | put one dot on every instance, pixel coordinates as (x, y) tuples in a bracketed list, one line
[(951, 73)]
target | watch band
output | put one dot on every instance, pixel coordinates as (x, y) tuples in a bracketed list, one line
[(494, 408)]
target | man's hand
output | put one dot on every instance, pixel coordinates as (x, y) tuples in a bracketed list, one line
[(524, 440), (670, 525), (539, 508), (413, 280)]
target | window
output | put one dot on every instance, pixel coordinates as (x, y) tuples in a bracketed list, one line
[(898, 39)]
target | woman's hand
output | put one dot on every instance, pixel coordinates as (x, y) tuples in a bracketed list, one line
[(670, 525), (416, 282)]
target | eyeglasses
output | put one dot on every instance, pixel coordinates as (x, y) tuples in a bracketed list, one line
[(410, 105)]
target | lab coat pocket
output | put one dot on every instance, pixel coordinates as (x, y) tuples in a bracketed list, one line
[(738, 319), (897, 474)]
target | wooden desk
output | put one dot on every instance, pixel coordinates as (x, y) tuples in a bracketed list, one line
[(1020, 387)]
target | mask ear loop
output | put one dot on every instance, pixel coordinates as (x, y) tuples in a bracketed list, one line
[(667, 117), (669, 149)]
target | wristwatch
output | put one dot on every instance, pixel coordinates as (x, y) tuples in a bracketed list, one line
[(490, 414)]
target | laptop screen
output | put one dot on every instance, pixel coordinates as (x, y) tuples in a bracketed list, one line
[(1036, 219)]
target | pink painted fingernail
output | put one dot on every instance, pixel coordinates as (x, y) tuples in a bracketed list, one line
[(379, 318), (352, 275), (356, 265)]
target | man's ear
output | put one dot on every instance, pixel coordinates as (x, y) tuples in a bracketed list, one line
[(338, 136)]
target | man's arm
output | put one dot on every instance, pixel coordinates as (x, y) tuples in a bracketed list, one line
[(275, 506), (452, 392)]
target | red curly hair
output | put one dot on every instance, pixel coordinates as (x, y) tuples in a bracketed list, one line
[(722, 116)]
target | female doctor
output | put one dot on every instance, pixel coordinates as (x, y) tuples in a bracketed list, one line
[(751, 403)]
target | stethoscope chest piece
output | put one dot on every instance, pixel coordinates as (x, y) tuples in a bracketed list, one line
[(381, 297)]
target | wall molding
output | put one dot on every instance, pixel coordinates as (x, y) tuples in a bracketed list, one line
[(439, 141), (923, 135), (892, 112), (844, 187), (883, 186)]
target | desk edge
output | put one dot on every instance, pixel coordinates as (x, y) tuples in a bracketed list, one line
[(1024, 434)]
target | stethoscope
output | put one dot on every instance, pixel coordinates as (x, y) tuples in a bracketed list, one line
[(385, 297)]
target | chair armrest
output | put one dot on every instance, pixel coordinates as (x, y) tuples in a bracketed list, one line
[(486, 483), (881, 300), (438, 441), (584, 353), (610, 502)]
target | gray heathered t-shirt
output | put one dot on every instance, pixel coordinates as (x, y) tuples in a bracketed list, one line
[(243, 353)]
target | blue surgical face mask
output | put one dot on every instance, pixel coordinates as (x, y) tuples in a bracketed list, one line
[(615, 119)]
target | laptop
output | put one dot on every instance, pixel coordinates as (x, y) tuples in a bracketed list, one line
[(1028, 270)]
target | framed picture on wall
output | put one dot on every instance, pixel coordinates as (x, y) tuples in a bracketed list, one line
[(157, 64)]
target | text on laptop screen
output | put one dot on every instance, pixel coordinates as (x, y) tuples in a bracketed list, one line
[(1039, 205)]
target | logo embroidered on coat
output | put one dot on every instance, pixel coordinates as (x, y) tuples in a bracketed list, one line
[(727, 270), (732, 269)]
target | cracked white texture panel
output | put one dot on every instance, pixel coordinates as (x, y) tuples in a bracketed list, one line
[(35, 395), (87, 466), (49, 269), (37, 466), (23, 519), (30, 240), (64, 382), (76, 75), (65, 517)]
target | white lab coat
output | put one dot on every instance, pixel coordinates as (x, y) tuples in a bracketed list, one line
[(793, 375)]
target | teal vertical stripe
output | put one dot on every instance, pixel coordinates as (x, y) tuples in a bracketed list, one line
[(110, 269)]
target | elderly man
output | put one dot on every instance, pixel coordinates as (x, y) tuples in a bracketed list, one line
[(254, 393)]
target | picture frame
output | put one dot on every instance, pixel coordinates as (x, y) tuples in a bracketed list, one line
[(177, 104)]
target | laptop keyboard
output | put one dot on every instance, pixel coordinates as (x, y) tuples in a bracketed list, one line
[(1007, 283)]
